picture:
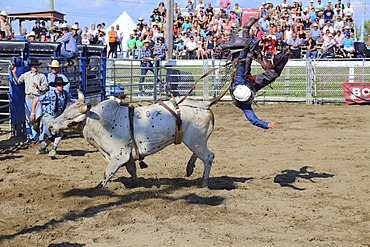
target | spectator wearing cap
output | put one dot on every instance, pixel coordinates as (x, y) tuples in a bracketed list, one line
[(179, 49), (328, 42), (348, 44), (329, 14), (76, 36), (37, 29), (53, 104), (146, 63), (305, 17), (5, 26), (35, 86), (43, 28), (315, 33), (77, 25), (186, 24), (160, 49), (140, 23), (69, 46), (130, 46)]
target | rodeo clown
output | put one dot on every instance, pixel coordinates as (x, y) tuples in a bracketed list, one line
[(245, 85), (54, 102)]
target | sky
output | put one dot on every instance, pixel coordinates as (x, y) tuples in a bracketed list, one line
[(87, 12)]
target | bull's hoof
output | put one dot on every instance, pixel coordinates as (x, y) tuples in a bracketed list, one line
[(189, 170), (143, 165), (204, 184), (99, 186)]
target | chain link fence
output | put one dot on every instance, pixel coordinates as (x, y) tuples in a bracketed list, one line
[(309, 81)]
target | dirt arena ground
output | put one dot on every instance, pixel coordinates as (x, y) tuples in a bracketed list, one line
[(306, 183)]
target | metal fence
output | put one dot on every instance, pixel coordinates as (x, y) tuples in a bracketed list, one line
[(309, 81)]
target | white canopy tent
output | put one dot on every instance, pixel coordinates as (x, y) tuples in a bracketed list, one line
[(126, 25)]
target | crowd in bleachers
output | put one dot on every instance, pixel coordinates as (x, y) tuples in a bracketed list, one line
[(313, 30)]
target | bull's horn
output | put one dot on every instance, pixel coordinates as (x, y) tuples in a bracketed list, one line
[(81, 96), (85, 108)]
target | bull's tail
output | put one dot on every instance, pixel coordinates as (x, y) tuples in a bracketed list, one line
[(219, 97)]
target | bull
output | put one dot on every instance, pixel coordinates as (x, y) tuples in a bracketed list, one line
[(124, 137)]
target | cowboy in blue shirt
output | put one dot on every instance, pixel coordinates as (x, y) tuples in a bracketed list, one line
[(69, 48), (54, 102)]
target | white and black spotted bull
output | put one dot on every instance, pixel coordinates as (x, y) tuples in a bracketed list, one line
[(107, 127)]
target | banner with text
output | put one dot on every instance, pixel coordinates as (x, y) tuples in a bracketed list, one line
[(248, 12), (356, 92)]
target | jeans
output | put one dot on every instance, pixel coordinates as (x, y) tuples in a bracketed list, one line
[(312, 54), (31, 133)]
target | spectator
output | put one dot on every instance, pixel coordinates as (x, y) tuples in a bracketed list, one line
[(329, 42), (190, 6), (77, 26), (53, 104), (350, 24), (210, 10), (325, 35), (329, 14), (146, 63), (311, 49), (112, 37), (179, 50), (199, 6), (319, 6), (338, 24), (263, 23), (191, 47), (43, 38), (85, 40), (101, 37), (294, 44), (160, 50), (315, 33), (93, 34), (37, 29), (31, 37), (348, 44), (225, 5), (130, 46), (302, 35), (287, 34), (211, 45), (341, 5), (329, 27), (162, 8), (76, 36), (69, 47), (280, 45), (5, 26), (238, 12), (43, 28), (201, 48), (140, 24), (35, 86), (338, 11), (339, 36), (348, 10)]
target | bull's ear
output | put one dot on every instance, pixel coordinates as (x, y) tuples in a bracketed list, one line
[(85, 108), (76, 122), (81, 96)]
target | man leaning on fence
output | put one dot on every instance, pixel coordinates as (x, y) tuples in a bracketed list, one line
[(35, 86), (146, 63)]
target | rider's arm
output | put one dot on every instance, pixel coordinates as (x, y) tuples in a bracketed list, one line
[(249, 114)]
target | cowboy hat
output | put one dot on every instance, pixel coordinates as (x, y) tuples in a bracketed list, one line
[(32, 33), (146, 41), (54, 64), (3, 13), (58, 80), (34, 62), (74, 27)]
